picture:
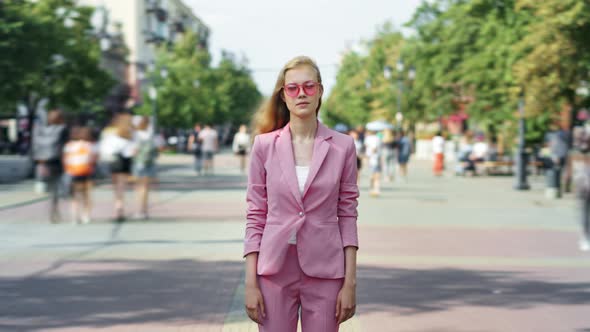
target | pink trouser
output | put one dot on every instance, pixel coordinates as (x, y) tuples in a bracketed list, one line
[(290, 289)]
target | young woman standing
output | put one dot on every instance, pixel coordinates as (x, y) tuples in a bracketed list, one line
[(301, 233)]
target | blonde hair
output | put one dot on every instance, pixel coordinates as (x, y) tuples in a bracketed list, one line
[(123, 124), (274, 113), (388, 136)]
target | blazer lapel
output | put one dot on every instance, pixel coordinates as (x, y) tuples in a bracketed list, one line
[(320, 150), (287, 162)]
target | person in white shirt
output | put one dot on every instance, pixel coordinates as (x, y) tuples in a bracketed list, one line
[(209, 146), (373, 153), (117, 148), (480, 150), (241, 146), (438, 150)]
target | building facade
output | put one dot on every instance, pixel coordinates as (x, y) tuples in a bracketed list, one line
[(144, 25)]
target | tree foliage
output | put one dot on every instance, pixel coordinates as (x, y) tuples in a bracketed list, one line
[(195, 91), (479, 54), (47, 51)]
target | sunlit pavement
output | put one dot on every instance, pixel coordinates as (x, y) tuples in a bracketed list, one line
[(437, 254)]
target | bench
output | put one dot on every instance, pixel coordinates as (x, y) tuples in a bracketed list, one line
[(503, 166)]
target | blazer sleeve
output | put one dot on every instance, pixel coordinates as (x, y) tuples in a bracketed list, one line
[(348, 199), (256, 198)]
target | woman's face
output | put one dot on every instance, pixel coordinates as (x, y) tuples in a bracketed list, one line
[(302, 92)]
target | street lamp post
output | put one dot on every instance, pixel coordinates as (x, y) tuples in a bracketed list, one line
[(521, 156), (400, 70)]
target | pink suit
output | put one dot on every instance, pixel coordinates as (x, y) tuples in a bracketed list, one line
[(324, 217)]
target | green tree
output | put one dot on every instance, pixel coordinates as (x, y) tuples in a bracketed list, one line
[(557, 48), (349, 100), (47, 52), (236, 92), (361, 92), (194, 91)]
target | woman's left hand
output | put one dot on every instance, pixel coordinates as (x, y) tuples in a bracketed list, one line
[(346, 303)]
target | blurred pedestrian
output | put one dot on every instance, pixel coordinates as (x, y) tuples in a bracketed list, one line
[(302, 200), (358, 146), (194, 145), (210, 146), (116, 146), (558, 142), (79, 161), (48, 143), (404, 152), (373, 152), (389, 154), (144, 163), (241, 146), (466, 164), (581, 177), (438, 151)]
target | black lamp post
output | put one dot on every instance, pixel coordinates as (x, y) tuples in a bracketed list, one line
[(521, 155)]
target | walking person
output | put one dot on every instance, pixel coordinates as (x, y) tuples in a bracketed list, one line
[(404, 152), (116, 147), (241, 146), (358, 145), (582, 184), (438, 151), (144, 164), (557, 140), (389, 154), (209, 146), (48, 144), (373, 149), (301, 233), (79, 161), (194, 145)]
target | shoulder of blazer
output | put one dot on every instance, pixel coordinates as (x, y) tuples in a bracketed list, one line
[(266, 140), (341, 140)]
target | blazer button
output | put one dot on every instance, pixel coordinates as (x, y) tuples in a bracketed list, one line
[(301, 214)]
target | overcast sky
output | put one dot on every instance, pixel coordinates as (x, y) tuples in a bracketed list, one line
[(270, 32)]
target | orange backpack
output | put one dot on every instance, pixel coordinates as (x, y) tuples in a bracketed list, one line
[(78, 158)]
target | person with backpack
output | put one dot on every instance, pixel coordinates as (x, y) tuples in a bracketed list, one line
[(79, 162), (48, 143), (144, 163)]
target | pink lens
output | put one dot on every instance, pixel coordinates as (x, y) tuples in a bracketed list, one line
[(292, 90), (310, 88)]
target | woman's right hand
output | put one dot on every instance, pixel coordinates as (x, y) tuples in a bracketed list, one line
[(254, 303)]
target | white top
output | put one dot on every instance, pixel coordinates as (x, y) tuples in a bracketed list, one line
[(480, 150), (372, 145), (302, 174), (241, 139), (112, 144), (208, 138), (438, 144)]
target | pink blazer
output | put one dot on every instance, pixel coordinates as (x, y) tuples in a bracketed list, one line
[(324, 216)]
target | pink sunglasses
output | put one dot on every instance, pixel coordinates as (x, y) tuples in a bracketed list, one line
[(310, 88)]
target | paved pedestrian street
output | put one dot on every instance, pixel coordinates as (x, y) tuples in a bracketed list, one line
[(436, 255)]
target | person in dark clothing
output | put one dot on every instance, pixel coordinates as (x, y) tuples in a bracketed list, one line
[(557, 143), (194, 145), (48, 143)]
